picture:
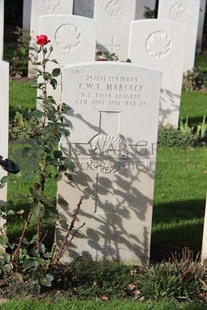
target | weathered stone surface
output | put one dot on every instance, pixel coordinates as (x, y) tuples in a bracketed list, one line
[(114, 117), (113, 19), (159, 44), (73, 40), (4, 123), (1, 28), (186, 12), (42, 8)]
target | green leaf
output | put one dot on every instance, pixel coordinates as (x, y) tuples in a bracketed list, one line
[(25, 241), (47, 280), (36, 288), (34, 239), (4, 240), (29, 263), (4, 180), (69, 164), (56, 163), (56, 72), (47, 76), (66, 108), (42, 248), (50, 100), (7, 268), (35, 253), (53, 82), (11, 212), (47, 255), (38, 113)]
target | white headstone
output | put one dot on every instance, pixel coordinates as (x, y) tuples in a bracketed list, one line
[(26, 14), (83, 8), (160, 45), (73, 40), (201, 24), (4, 93), (1, 28), (204, 239), (114, 120), (45, 7), (48, 7), (142, 6), (187, 12), (113, 19)]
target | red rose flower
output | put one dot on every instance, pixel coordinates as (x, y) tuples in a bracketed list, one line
[(42, 39)]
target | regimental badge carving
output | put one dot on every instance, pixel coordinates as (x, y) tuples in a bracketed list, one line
[(158, 44), (68, 37), (114, 8), (178, 12), (53, 6), (108, 154)]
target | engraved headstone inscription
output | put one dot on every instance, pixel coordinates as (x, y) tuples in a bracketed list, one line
[(73, 40), (114, 117), (187, 12), (1, 28), (44, 7), (4, 92), (159, 44), (113, 19)]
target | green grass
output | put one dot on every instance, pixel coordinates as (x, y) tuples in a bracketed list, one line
[(201, 63), (63, 304), (21, 94), (193, 106), (179, 200)]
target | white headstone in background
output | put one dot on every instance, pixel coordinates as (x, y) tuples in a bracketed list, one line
[(160, 45), (201, 24), (83, 8), (45, 7), (141, 7), (187, 12), (4, 123), (113, 19), (26, 14), (48, 7), (114, 120), (73, 39), (1, 29)]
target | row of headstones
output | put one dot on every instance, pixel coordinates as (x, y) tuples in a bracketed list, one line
[(33, 9), (113, 7), (110, 15), (161, 44)]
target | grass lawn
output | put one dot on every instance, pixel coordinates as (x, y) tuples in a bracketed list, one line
[(94, 305)]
